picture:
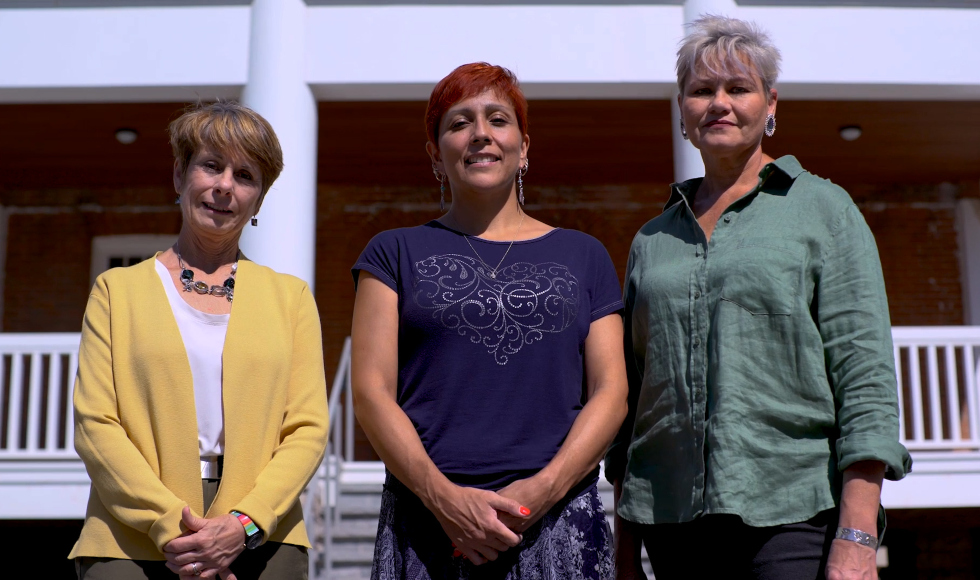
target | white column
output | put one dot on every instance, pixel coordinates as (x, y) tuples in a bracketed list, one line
[(968, 238), (687, 159), (285, 239)]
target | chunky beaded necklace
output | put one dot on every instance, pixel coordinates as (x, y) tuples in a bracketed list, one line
[(187, 279)]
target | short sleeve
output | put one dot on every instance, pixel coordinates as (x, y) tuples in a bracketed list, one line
[(380, 258), (607, 295)]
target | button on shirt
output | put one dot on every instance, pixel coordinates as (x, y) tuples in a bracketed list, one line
[(760, 362)]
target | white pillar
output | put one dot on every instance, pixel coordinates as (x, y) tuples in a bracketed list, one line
[(687, 159), (968, 239), (285, 239)]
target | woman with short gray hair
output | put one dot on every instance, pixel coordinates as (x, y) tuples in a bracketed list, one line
[(763, 410)]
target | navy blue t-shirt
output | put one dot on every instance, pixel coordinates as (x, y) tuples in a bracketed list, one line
[(490, 369)]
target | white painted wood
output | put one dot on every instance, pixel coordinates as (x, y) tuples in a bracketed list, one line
[(285, 239), (935, 400), (917, 410), (952, 393), (142, 245), (559, 51), (55, 401), (902, 432), (33, 403), (15, 396)]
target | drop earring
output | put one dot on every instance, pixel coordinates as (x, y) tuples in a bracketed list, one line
[(255, 221), (684, 131), (442, 187), (520, 181), (770, 125), (177, 201)]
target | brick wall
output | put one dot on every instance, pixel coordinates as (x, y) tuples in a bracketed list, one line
[(46, 283), (48, 246)]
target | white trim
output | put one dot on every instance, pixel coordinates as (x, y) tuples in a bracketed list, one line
[(104, 247)]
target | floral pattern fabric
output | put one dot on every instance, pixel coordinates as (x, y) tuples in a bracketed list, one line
[(571, 542)]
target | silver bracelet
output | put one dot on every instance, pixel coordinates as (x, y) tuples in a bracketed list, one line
[(857, 536)]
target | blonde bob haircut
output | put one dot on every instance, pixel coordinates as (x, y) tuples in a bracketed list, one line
[(721, 45), (227, 126)]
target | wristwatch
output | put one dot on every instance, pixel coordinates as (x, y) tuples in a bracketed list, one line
[(253, 535), (857, 536)]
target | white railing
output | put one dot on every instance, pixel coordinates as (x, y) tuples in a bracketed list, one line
[(938, 375), (37, 374), (938, 370), (320, 504)]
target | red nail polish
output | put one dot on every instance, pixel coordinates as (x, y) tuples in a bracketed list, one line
[(525, 511)]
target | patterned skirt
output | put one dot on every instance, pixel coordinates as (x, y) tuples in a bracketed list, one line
[(571, 542)]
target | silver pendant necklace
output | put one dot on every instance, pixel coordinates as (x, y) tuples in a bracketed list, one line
[(227, 289), (493, 271)]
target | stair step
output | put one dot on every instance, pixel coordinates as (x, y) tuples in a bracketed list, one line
[(350, 573), (353, 529), (352, 553), (357, 504)]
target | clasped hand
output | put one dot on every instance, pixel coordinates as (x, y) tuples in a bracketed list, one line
[(208, 547), (469, 518)]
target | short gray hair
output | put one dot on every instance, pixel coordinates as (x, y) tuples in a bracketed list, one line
[(719, 44)]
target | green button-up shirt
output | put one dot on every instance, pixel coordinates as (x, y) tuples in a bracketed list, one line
[(760, 362)]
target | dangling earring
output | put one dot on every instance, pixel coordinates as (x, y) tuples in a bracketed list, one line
[(442, 193), (255, 221), (520, 181), (770, 124), (684, 130), (177, 201), (442, 187)]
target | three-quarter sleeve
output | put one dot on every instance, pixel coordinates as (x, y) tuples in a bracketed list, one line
[(852, 315), (303, 433), (127, 486)]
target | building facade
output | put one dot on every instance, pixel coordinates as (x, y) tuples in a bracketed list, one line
[(87, 88)]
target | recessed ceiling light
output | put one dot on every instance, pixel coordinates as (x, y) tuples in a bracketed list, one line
[(850, 132), (126, 136)]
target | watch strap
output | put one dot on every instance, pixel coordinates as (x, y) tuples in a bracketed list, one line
[(857, 536), (253, 535)]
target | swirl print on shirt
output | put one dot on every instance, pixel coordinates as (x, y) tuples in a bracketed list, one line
[(519, 307)]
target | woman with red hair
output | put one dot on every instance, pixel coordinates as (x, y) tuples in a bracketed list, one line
[(487, 362)]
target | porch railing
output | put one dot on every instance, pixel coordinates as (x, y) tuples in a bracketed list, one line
[(938, 375), (37, 373), (938, 371)]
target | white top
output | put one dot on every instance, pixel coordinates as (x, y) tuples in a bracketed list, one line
[(204, 339)]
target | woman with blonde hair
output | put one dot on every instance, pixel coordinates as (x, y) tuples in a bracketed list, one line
[(763, 411), (200, 401)]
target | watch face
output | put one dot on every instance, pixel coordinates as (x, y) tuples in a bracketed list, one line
[(253, 541)]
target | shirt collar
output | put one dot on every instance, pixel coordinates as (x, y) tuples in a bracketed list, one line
[(787, 166)]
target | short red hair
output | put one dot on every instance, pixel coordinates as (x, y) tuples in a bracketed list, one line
[(470, 80)]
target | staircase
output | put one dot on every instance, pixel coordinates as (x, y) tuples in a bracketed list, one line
[(357, 503)]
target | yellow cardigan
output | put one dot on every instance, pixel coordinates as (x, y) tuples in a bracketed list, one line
[(136, 422)]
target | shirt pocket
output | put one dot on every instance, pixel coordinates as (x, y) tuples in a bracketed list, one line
[(764, 276)]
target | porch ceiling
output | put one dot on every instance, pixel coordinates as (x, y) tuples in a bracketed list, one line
[(66, 154)]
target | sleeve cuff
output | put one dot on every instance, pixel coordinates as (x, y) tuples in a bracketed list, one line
[(167, 527), (262, 515), (869, 447)]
